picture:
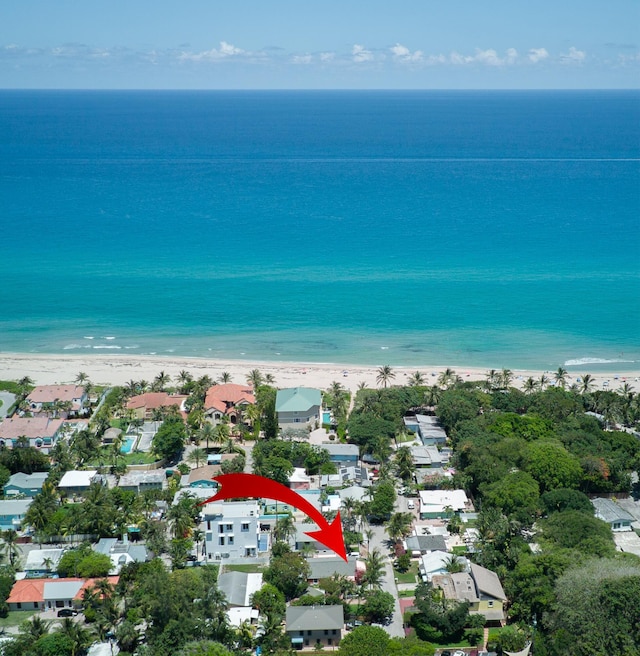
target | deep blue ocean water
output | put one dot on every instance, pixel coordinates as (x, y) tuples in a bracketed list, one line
[(465, 228)]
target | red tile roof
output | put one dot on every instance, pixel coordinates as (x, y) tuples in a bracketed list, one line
[(32, 590), (225, 397), (52, 393), (153, 400)]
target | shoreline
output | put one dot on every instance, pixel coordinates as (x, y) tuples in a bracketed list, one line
[(115, 369)]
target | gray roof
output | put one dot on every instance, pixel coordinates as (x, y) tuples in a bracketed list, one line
[(341, 449), (355, 492), (297, 399), (61, 589), (609, 511), (14, 506), (22, 480), (323, 568), (36, 558), (425, 543), (239, 586), (487, 582), (303, 618)]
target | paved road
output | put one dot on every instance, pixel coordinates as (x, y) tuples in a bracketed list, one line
[(7, 401)]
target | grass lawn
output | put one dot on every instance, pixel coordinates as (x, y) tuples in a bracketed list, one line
[(249, 569), (459, 551), (406, 593), (135, 458), (409, 576), (16, 617)]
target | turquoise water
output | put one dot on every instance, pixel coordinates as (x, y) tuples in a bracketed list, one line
[(127, 445), (480, 228)]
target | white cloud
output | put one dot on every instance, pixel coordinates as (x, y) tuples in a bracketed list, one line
[(327, 56), (489, 57), (302, 59), (458, 59), (512, 56), (225, 51), (538, 54), (574, 56), (361, 54), (403, 54)]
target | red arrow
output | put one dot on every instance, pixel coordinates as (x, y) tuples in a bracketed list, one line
[(250, 485)]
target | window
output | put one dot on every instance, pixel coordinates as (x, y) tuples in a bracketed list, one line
[(228, 527), (220, 528), (245, 528), (329, 641), (230, 539), (18, 605), (490, 604), (333, 632), (221, 541), (309, 632)]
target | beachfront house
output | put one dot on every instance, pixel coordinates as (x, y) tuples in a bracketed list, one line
[(440, 504), (231, 529), (227, 400), (609, 511), (298, 407), (57, 400), (144, 406), (309, 625), (12, 512), (27, 485), (39, 432)]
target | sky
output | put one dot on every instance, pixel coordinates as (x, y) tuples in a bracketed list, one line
[(313, 44)]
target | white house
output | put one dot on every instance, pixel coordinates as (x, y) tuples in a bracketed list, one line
[(437, 504), (232, 529), (298, 407)]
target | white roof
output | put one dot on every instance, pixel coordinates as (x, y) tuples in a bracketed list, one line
[(78, 478), (299, 476), (435, 561), (237, 616), (36, 558), (455, 499)]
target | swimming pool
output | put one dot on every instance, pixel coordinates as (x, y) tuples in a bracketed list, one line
[(127, 446), (326, 417)]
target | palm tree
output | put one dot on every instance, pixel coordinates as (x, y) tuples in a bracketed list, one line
[(399, 525), (284, 529), (255, 378), (385, 375), (543, 382), (77, 634), (373, 575), (224, 377), (432, 395), (506, 376), (161, 381), (269, 379), (453, 564), (561, 377), (416, 379), (35, 627), (197, 457), (81, 378), (587, 384), (447, 378), (492, 379), (197, 536), (184, 378), (206, 433), (530, 385), (404, 463), (10, 538)]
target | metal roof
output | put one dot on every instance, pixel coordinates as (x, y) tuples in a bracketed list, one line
[(297, 399), (303, 618)]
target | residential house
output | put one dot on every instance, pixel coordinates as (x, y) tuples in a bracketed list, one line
[(228, 400), (425, 457), (42, 563), (427, 428), (202, 477), (346, 475), (310, 625), (355, 492), (27, 485), (121, 552), (40, 432), (143, 405), (324, 567), (609, 511), (12, 512), (480, 587), (57, 400), (418, 545), (342, 455), (434, 563), (239, 587), (232, 529), (439, 504), (139, 481), (298, 407), (299, 480), (111, 435), (45, 594), (78, 481)]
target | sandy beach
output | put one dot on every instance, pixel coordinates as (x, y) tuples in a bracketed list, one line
[(118, 369)]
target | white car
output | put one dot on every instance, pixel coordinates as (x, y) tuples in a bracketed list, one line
[(410, 504)]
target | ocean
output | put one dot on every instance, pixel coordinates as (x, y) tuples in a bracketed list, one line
[(493, 229)]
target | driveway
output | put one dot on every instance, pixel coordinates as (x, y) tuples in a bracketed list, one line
[(7, 401)]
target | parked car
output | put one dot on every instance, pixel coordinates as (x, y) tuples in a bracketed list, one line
[(67, 612), (410, 504)]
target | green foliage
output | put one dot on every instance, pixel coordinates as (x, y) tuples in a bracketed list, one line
[(409, 646), (438, 619), (288, 572), (552, 466), (378, 607), (84, 562), (403, 563), (562, 499), (516, 493), (457, 405), (512, 638), (204, 648), (169, 441), (596, 612), (384, 497), (26, 459), (573, 529), (529, 427), (365, 641), (276, 459)]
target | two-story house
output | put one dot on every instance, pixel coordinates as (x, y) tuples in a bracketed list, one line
[(309, 625), (39, 432), (298, 407), (57, 400), (232, 529)]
